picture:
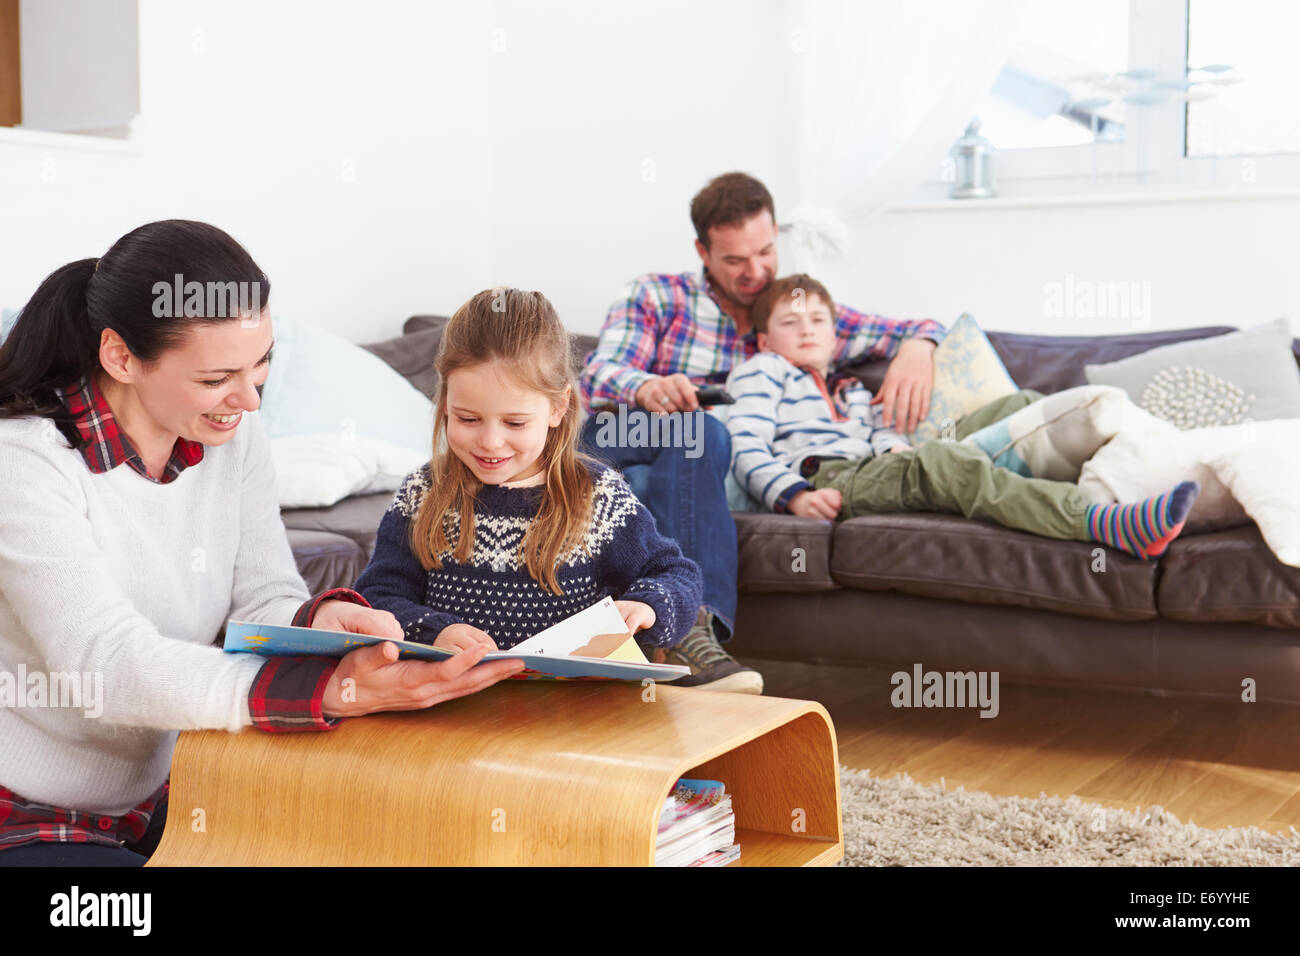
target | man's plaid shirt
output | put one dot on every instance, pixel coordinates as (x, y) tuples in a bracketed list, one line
[(672, 323)]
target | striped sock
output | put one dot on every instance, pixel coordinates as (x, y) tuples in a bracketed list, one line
[(1145, 528)]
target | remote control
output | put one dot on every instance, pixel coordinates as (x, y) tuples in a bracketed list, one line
[(713, 395)]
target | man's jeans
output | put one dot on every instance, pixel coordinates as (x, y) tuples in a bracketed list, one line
[(687, 496)]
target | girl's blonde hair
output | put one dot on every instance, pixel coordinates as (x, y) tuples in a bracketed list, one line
[(520, 331)]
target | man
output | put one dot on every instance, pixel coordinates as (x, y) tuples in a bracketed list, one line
[(671, 333)]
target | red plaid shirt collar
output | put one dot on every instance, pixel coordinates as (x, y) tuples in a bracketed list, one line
[(106, 445)]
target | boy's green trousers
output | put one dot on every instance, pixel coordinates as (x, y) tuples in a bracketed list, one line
[(945, 476)]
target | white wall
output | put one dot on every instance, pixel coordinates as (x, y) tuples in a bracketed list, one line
[(388, 158), (1228, 261)]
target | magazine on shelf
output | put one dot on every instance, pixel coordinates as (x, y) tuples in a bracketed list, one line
[(697, 826), (593, 644)]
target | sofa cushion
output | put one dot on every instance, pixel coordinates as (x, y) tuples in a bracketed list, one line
[(783, 553), (356, 518), (421, 325), (1221, 381), (950, 557), (412, 355), (326, 560), (1228, 576), (1052, 363)]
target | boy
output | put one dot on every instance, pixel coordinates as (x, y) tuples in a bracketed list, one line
[(816, 447)]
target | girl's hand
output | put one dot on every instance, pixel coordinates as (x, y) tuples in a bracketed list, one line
[(463, 637), (636, 615), (372, 679), (355, 619)]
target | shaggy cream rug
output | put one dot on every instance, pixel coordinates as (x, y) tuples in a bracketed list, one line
[(898, 822)]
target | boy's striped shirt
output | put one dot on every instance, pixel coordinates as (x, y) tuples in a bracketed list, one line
[(665, 324), (785, 414)]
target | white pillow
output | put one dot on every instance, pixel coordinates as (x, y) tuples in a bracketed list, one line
[(1149, 456), (320, 383), (315, 471), (1260, 471)]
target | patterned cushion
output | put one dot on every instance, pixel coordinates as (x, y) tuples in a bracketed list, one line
[(1226, 380), (1054, 436), (967, 375)]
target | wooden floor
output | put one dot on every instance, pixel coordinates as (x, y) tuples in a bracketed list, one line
[(1213, 764)]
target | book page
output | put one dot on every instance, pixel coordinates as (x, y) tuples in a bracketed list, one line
[(579, 631)]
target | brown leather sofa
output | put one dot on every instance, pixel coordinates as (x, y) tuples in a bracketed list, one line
[(952, 594)]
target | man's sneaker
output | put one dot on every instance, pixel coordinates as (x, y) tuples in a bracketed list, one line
[(712, 668)]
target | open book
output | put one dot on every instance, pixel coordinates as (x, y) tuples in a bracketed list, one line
[(591, 645)]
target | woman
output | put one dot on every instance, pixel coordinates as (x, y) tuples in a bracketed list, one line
[(138, 514)]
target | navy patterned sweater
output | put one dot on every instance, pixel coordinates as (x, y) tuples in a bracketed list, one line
[(629, 560)]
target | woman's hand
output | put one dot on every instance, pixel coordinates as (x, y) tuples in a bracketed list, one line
[(355, 619), (372, 679), (636, 615), (462, 637)]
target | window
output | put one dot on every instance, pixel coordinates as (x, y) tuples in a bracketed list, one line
[(69, 66), (1244, 69), (1123, 92)]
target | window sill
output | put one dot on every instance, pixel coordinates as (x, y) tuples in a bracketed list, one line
[(1145, 195), (69, 142)]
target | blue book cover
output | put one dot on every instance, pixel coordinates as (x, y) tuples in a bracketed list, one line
[(273, 640)]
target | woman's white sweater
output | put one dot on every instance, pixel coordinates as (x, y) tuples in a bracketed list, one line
[(128, 583)]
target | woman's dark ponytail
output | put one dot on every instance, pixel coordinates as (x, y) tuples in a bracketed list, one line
[(51, 344), (55, 340)]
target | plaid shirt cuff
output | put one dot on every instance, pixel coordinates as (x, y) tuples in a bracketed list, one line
[(307, 613), (932, 330), (288, 693)]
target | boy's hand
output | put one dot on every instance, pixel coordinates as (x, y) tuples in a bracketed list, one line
[(822, 503), (907, 385), (667, 393), (636, 615), (463, 637)]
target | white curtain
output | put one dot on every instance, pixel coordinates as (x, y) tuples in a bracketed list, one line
[(888, 86)]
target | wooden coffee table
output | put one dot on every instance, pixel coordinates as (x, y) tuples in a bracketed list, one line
[(523, 773)]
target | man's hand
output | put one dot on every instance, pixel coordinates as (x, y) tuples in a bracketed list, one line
[(667, 393), (372, 679), (463, 637), (355, 619), (908, 383), (822, 503), (636, 615)]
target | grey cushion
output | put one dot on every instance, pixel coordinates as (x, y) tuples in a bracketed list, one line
[(580, 346), (1250, 374), (326, 560), (356, 519), (412, 355)]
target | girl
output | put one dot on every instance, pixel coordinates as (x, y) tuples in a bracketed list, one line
[(509, 529), (138, 512)]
